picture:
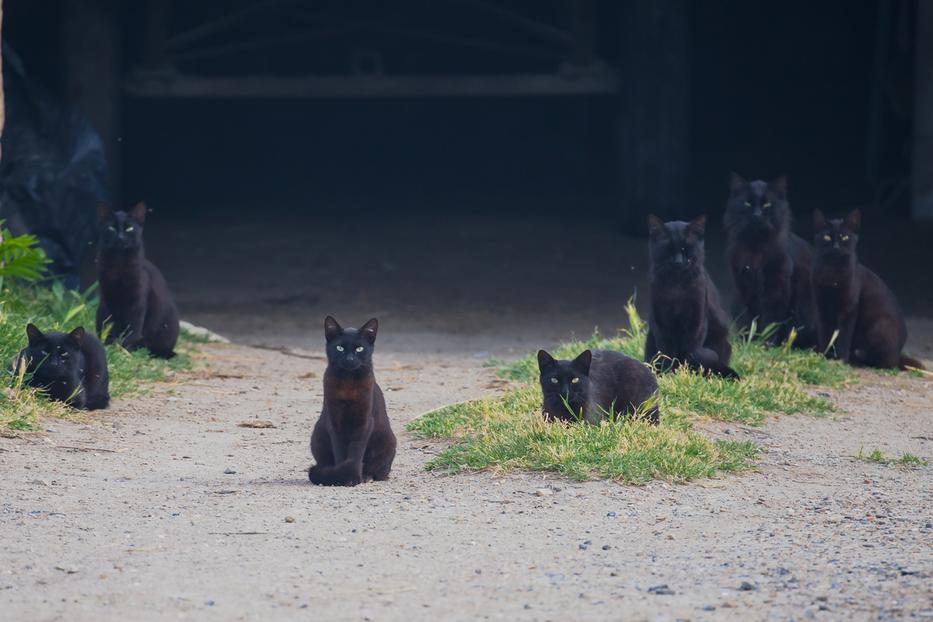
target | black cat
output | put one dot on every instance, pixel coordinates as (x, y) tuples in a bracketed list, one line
[(593, 384), (70, 367), (770, 265), (133, 293), (853, 300), (686, 324), (352, 441)]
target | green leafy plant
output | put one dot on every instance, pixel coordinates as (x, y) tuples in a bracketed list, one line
[(20, 257)]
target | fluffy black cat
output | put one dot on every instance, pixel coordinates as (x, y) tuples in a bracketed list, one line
[(133, 293), (352, 441), (686, 323), (593, 384), (70, 367), (770, 265), (852, 299)]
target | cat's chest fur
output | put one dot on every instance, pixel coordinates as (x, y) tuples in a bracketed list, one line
[(751, 259), (348, 401)]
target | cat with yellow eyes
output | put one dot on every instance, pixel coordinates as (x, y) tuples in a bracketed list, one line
[(595, 384), (860, 321), (770, 265), (134, 297)]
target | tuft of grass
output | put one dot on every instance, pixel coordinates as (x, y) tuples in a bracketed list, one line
[(774, 379), (507, 432), (877, 456), (57, 308)]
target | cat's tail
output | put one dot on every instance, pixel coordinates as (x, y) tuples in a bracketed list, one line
[(344, 474), (909, 362), (98, 402)]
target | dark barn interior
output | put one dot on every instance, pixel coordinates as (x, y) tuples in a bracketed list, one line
[(480, 168)]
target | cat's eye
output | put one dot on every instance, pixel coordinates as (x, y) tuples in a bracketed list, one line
[(130, 228), (575, 381), (828, 238), (767, 205), (339, 348), (359, 348), (554, 380), (748, 204), (845, 238)]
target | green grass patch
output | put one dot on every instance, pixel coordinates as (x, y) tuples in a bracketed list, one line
[(56, 308), (507, 432), (906, 460)]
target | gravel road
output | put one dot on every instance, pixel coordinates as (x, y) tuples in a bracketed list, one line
[(163, 508)]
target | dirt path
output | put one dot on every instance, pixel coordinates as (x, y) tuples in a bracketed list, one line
[(187, 516)]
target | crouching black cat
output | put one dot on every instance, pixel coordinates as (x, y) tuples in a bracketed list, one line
[(770, 265), (70, 367), (595, 383), (352, 441), (133, 293), (854, 301), (686, 324)]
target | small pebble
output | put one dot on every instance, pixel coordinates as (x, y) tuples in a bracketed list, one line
[(229, 472), (662, 590), (289, 519), (606, 547), (747, 587), (543, 492)]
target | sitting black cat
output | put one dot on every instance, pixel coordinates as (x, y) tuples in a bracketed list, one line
[(70, 367), (134, 296), (352, 441), (854, 301), (686, 324), (770, 266), (594, 384)]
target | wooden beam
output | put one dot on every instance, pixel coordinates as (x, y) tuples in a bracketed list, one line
[(92, 71), (654, 111), (922, 174), (312, 87), (2, 92)]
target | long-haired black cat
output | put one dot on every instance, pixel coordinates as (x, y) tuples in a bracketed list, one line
[(854, 301), (594, 384), (352, 441), (770, 265), (134, 296), (69, 367), (686, 323)]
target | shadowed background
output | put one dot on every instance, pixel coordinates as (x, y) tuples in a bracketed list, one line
[(485, 213)]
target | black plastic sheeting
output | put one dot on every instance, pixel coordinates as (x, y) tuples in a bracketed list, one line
[(53, 171)]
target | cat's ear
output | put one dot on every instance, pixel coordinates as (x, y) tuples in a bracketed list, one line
[(583, 361), (104, 213), (697, 226), (331, 328), (545, 360), (77, 336), (369, 330), (656, 226), (138, 212), (33, 333), (779, 187), (854, 220), (737, 184), (819, 220)]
